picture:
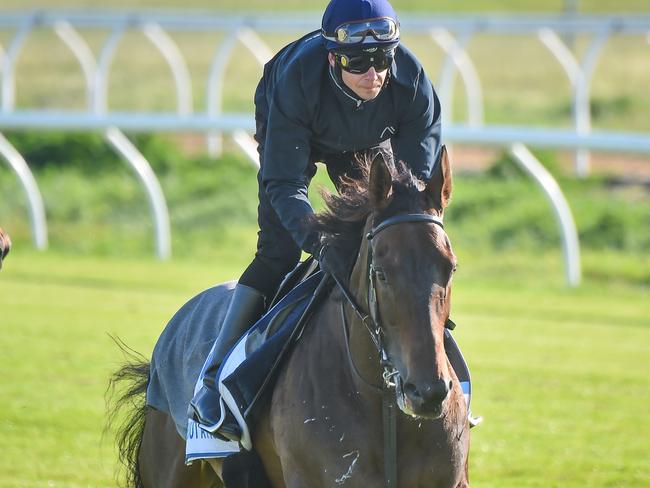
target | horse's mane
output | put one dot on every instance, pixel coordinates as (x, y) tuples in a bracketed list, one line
[(343, 220)]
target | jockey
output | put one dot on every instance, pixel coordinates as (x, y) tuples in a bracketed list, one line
[(346, 88)]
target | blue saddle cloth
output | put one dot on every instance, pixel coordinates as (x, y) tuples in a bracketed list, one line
[(244, 376)]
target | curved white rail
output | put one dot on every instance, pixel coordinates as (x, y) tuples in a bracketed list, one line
[(216, 78), (457, 58), (35, 200), (176, 62), (148, 178), (82, 52), (100, 104), (566, 224), (580, 75), (9, 64)]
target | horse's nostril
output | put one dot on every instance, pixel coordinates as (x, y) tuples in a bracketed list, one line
[(450, 385), (412, 391), (439, 391), (430, 395)]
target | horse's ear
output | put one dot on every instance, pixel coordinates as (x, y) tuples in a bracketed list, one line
[(381, 181), (438, 190)]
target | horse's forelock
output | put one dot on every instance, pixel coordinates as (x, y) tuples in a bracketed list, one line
[(346, 212)]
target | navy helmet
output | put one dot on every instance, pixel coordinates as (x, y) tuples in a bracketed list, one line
[(355, 25)]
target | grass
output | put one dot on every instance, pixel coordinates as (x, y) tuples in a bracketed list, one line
[(560, 375)]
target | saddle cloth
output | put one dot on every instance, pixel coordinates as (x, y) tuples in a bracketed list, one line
[(243, 375)]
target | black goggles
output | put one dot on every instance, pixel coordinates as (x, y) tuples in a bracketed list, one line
[(383, 29), (379, 59)]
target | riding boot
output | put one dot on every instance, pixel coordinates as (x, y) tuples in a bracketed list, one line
[(246, 306)]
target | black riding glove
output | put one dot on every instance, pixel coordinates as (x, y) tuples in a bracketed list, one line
[(332, 261)]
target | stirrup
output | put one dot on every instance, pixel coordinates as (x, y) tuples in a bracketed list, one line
[(206, 408), (229, 429)]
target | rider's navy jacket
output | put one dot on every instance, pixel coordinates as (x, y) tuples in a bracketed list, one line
[(304, 112)]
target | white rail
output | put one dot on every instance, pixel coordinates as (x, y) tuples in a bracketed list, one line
[(452, 34), (570, 243), (36, 207), (486, 135)]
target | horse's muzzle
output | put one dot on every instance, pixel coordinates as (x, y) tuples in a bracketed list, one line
[(426, 400)]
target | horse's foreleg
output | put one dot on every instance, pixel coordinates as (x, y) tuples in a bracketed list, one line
[(464, 483), (161, 458)]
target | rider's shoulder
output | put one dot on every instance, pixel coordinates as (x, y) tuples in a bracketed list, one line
[(303, 55), (407, 66)]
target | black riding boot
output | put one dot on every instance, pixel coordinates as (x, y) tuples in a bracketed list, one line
[(246, 307)]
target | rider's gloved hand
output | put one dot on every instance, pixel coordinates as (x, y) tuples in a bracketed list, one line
[(332, 262)]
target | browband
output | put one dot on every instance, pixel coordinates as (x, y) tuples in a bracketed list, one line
[(403, 218)]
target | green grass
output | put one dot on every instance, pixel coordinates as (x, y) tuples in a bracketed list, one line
[(560, 375)]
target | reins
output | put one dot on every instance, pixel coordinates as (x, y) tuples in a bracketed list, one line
[(371, 321)]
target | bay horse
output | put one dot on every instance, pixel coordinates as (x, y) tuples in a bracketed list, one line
[(322, 426), (5, 245)]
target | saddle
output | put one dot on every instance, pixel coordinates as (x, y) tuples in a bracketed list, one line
[(248, 372)]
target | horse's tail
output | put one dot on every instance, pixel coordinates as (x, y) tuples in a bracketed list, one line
[(130, 399)]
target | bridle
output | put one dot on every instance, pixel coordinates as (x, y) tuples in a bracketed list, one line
[(371, 320)]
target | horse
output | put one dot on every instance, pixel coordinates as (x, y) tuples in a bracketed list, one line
[(323, 424), (5, 245)]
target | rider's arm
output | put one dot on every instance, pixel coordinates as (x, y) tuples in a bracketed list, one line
[(286, 158), (417, 141)]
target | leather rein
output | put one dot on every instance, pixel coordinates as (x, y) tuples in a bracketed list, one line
[(372, 323)]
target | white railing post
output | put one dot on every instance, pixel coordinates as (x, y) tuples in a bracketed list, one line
[(129, 152), (580, 75), (17, 163), (214, 91), (100, 89), (148, 178), (457, 58), (82, 52), (172, 54), (36, 207), (214, 98), (7, 70), (566, 224)]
